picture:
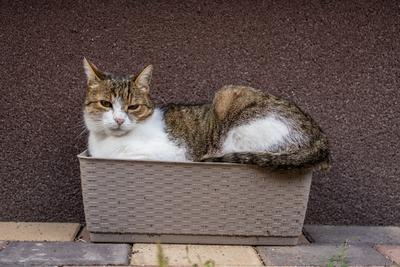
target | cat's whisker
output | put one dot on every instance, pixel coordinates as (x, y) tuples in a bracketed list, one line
[(81, 133), (79, 125)]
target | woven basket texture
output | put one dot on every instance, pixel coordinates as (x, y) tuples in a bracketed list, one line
[(148, 197)]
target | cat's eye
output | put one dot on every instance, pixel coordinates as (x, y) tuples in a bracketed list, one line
[(133, 107), (105, 104)]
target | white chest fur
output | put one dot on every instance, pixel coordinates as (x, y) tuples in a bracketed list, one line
[(147, 141)]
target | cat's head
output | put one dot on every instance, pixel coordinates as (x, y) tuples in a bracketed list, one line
[(116, 105)]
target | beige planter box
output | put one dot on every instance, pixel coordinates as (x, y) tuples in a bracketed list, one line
[(186, 202)]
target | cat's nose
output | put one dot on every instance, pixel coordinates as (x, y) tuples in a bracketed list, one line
[(119, 120)]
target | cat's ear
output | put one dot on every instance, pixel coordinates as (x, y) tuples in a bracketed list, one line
[(144, 78), (93, 74)]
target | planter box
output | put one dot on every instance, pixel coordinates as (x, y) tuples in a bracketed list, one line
[(186, 202)]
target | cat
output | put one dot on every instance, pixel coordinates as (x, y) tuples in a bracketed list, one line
[(241, 125)]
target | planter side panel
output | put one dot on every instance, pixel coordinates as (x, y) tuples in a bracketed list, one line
[(192, 199)]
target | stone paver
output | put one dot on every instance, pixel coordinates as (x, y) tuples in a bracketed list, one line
[(146, 254), (354, 234), (29, 265), (319, 255), (24, 231), (390, 251), (64, 253)]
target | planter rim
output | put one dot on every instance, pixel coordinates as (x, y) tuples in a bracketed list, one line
[(85, 156)]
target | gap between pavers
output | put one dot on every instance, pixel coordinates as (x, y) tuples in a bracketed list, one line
[(29, 231), (3, 244), (146, 254), (303, 240), (64, 253), (319, 255), (83, 235)]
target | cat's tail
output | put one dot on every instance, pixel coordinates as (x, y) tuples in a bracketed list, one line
[(313, 157)]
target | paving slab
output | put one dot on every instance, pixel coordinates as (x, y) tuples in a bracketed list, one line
[(64, 253), (32, 265), (354, 234), (390, 251), (146, 254), (27, 231), (320, 255)]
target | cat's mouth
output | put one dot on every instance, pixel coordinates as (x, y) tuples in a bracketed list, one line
[(117, 131)]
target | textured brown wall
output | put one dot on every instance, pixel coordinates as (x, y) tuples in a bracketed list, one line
[(338, 60)]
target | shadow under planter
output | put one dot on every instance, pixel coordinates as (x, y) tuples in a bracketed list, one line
[(192, 202)]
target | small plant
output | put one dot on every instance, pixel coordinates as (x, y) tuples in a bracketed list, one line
[(208, 263), (340, 259), (163, 260)]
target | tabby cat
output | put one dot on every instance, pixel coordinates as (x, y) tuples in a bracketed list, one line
[(241, 125)]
